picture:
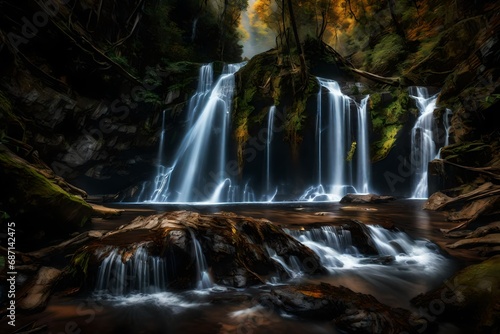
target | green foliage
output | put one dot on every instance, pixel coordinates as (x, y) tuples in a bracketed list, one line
[(165, 34), (80, 263), (381, 148), (351, 152), (491, 100), (387, 121), (150, 97), (388, 52)]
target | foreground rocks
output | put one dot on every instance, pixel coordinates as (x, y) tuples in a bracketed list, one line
[(349, 311), (35, 294), (472, 296), (240, 251)]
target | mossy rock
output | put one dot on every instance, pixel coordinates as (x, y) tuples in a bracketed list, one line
[(34, 202), (387, 120), (471, 296), (474, 153), (9, 123)]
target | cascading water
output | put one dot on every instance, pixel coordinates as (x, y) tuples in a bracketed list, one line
[(195, 164), (203, 278), (199, 99), (423, 146), (447, 126), (333, 140), (270, 123), (363, 149), (293, 269), (140, 273), (197, 173), (335, 248)]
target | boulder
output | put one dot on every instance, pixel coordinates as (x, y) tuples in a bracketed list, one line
[(350, 311), (470, 297), (239, 251), (35, 294), (368, 198)]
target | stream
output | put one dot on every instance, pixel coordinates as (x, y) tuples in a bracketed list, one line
[(409, 264)]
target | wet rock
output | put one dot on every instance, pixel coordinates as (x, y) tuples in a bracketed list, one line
[(349, 311), (239, 251), (361, 237), (36, 293), (383, 260), (397, 247), (368, 198), (321, 198)]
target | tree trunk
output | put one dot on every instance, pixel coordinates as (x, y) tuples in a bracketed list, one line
[(303, 68), (399, 29)]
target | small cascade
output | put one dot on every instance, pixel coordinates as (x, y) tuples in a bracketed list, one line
[(330, 244), (423, 145), (203, 278), (390, 242), (139, 273), (336, 250), (270, 122), (363, 149), (293, 269)]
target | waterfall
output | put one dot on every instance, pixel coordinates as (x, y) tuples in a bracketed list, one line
[(337, 137), (447, 126), (333, 138), (162, 177), (203, 278), (363, 148), (140, 272), (199, 99), (270, 122), (197, 172), (423, 147), (193, 30), (201, 155)]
